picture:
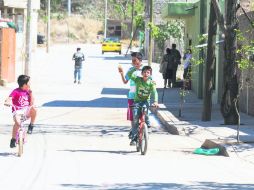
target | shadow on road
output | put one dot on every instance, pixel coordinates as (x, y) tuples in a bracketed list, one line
[(7, 154), (82, 130), (115, 91), (97, 103), (171, 186), (115, 57), (122, 152)]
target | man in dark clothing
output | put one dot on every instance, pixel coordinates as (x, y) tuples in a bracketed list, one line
[(177, 61), (79, 58)]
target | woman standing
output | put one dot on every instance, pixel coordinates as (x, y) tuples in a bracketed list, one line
[(166, 68)]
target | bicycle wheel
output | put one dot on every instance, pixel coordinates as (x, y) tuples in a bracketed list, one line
[(144, 140), (20, 143)]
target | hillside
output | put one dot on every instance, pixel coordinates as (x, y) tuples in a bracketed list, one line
[(72, 29)]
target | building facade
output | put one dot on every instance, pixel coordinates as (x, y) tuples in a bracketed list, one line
[(195, 14), (16, 10)]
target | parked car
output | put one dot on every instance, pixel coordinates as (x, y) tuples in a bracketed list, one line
[(111, 44), (40, 39)]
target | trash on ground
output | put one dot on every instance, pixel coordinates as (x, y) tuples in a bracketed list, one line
[(210, 151)]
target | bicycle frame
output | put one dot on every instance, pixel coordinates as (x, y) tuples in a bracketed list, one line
[(142, 136), (21, 132)]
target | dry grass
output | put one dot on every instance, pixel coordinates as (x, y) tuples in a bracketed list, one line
[(72, 29)]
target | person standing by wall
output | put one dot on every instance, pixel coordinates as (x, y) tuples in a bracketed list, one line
[(177, 61), (78, 57), (166, 68), (187, 69), (187, 64)]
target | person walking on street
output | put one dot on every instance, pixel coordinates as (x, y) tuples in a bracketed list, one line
[(166, 68), (177, 61), (78, 57)]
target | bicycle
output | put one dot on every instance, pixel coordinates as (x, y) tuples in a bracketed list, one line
[(142, 135), (21, 132)]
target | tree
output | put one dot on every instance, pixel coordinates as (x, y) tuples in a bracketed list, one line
[(209, 69), (163, 32), (122, 9), (229, 103)]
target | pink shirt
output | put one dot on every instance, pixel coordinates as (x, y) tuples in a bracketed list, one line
[(20, 98)]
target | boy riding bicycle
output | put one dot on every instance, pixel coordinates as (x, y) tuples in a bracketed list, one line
[(145, 87), (21, 100), (136, 59)]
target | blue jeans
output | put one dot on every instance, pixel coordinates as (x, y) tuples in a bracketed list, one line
[(77, 73), (136, 115)]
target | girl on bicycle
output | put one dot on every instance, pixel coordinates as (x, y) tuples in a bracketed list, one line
[(21, 100)]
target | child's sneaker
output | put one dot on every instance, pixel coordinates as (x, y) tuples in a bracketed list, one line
[(13, 143), (133, 142), (30, 128)]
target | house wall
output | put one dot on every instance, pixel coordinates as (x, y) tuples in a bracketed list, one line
[(192, 32), (247, 88), (16, 10)]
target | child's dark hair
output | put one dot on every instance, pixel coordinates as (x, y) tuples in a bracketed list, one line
[(145, 68), (138, 55), (23, 79)]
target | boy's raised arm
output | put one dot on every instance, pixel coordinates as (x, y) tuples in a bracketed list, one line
[(130, 74), (120, 70)]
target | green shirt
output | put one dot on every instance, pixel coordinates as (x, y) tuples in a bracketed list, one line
[(144, 89)]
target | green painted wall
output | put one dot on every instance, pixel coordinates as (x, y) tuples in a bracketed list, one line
[(195, 26), (192, 32)]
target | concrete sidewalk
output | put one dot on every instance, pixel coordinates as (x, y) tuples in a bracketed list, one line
[(214, 132)]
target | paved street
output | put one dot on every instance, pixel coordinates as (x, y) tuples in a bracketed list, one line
[(81, 139)]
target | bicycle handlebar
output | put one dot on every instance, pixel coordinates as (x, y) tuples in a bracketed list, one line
[(15, 108)]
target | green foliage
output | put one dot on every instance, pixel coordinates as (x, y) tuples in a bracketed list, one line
[(139, 22), (245, 51), (122, 9), (72, 36), (196, 59), (163, 32)]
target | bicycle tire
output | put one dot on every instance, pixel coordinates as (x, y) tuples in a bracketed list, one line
[(144, 140), (20, 143)]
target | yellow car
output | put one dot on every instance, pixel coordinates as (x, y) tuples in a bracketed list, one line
[(111, 44)]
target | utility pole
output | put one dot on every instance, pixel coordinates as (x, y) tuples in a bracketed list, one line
[(105, 21), (132, 17), (69, 7), (28, 38), (150, 51), (48, 27)]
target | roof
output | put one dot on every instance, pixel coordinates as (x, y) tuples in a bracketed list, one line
[(22, 4)]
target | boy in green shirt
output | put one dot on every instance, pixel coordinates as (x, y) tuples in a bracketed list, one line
[(145, 87)]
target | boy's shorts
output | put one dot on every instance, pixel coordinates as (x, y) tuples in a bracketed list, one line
[(24, 111), (129, 110)]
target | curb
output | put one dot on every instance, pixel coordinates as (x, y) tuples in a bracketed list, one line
[(173, 126), (171, 123)]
